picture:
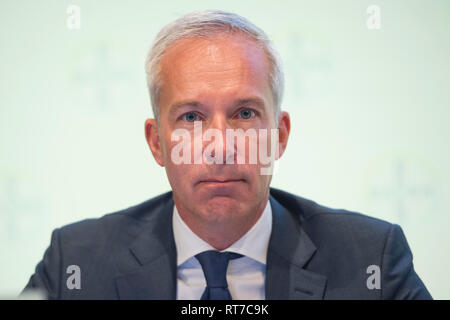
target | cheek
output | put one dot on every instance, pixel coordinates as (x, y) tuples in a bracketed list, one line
[(178, 177), (260, 181), (166, 146)]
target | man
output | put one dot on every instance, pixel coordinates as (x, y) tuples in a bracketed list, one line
[(222, 232)]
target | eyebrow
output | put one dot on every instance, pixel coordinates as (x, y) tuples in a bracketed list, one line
[(188, 103), (240, 102), (251, 100)]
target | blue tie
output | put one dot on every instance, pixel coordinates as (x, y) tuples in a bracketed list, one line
[(214, 265)]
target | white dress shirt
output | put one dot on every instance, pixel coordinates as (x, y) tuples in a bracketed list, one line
[(245, 275)]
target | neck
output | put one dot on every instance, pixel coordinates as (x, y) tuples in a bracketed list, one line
[(221, 235)]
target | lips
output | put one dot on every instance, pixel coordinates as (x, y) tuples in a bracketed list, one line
[(220, 181)]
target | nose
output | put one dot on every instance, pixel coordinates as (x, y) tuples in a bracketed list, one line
[(219, 122), (217, 129)]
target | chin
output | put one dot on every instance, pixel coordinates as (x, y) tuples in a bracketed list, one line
[(221, 208)]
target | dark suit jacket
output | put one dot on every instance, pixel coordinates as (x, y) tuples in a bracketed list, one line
[(314, 253)]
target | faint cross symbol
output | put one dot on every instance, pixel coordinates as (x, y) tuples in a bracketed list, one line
[(16, 208), (99, 73), (401, 191)]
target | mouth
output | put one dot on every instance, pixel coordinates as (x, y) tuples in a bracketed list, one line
[(220, 181)]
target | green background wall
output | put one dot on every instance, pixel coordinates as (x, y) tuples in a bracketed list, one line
[(369, 110)]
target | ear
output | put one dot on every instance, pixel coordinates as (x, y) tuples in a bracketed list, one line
[(284, 127), (153, 140)]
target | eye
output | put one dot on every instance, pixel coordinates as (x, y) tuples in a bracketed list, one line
[(190, 117), (246, 114)]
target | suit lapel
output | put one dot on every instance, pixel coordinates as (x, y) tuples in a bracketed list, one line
[(289, 250), (155, 251)]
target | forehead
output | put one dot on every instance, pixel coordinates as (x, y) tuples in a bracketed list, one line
[(228, 64)]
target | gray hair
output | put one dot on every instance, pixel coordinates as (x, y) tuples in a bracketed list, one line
[(203, 24)]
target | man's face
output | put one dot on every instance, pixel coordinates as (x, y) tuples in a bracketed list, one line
[(223, 83)]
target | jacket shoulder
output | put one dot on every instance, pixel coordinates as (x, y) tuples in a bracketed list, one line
[(100, 229), (321, 220)]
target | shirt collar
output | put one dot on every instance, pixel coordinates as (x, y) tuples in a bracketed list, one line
[(253, 244)]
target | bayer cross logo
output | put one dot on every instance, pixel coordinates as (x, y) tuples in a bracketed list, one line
[(402, 189)]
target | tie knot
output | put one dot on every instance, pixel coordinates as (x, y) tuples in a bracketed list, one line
[(214, 265)]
